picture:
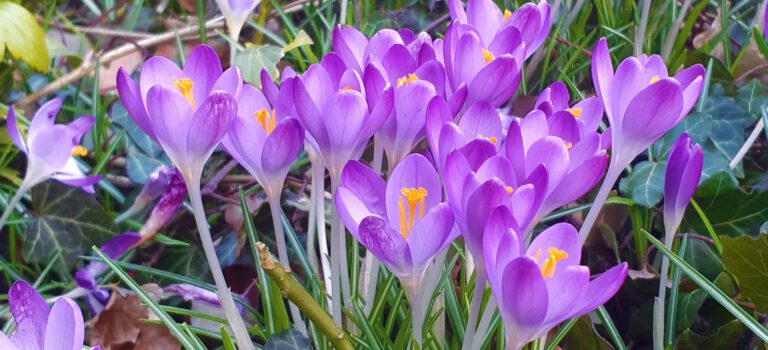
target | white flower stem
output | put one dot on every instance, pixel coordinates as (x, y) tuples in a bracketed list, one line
[(660, 302), (318, 193), (614, 170), (640, 34), (225, 297), (282, 251), (12, 204), (338, 231), (747, 144), (413, 292), (336, 256), (474, 311), (485, 323), (234, 35)]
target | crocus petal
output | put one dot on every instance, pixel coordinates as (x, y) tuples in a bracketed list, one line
[(410, 113), (414, 171), (650, 114), (158, 70), (80, 126), (500, 244), (209, 124), (204, 68), (601, 289), (523, 298), (433, 72), (281, 148), (132, 100), (13, 130), (30, 312), (431, 235), (485, 16), (386, 244), (482, 201), (553, 153), (350, 44), (51, 148), (169, 114), (5, 342), (577, 183), (564, 289), (43, 118), (506, 41), (381, 43), (437, 114), (481, 120), (456, 10), (231, 81), (553, 98), (366, 185), (691, 177), (309, 114), (563, 125), (65, 330), (562, 236), (504, 72), (352, 209), (691, 80), (602, 74), (398, 62), (630, 74)]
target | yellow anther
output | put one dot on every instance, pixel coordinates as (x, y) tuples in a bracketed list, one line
[(568, 145), (575, 112), (548, 267), (185, 87), (267, 121), (493, 139), (413, 197), (79, 151), (488, 56), (509, 189), (407, 79), (654, 79), (346, 88), (507, 14)]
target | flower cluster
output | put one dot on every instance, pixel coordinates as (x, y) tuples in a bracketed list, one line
[(457, 164)]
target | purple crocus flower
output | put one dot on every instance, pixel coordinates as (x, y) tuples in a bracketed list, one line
[(542, 285), (573, 167), (264, 142), (641, 100), (483, 71), (444, 135), (51, 148), (157, 182), (570, 123), (684, 166), (330, 101), (236, 12), (186, 111), (533, 21), (642, 103), (403, 222), (40, 327), (86, 277)]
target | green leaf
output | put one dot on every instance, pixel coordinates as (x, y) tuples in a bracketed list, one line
[(584, 337), (732, 212), (254, 58), (140, 166), (747, 260), (138, 137), (752, 98), (65, 219), (688, 307), (645, 185), (711, 289), (22, 36), (302, 39), (726, 337), (286, 340)]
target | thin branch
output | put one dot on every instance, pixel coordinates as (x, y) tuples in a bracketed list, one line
[(292, 290), (89, 62)]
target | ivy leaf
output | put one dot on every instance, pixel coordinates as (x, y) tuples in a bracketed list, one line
[(688, 307), (140, 166), (726, 337), (139, 138), (254, 58), (302, 39), (288, 339), (747, 259), (732, 212), (753, 98), (22, 36), (645, 185), (65, 219)]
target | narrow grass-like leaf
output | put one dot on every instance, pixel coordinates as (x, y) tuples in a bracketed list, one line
[(172, 326), (708, 226), (561, 333), (672, 306), (711, 289), (611, 328)]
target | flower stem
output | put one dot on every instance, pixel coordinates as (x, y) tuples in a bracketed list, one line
[(474, 311), (660, 302), (225, 297), (413, 292), (335, 257), (318, 193), (299, 296), (338, 231), (485, 323), (12, 204), (610, 179), (282, 251)]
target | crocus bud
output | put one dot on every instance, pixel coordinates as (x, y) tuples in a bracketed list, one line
[(683, 173)]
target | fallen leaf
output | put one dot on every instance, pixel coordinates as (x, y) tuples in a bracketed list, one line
[(119, 326)]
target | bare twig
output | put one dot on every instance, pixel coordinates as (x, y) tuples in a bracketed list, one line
[(89, 62), (294, 292)]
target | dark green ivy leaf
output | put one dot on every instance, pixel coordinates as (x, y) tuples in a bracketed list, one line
[(65, 219), (287, 340), (747, 259), (645, 185)]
